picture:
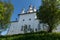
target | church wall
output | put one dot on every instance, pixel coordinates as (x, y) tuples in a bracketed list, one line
[(29, 19), (26, 19), (13, 28)]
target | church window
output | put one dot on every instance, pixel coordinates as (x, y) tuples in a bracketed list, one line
[(29, 27), (21, 28), (36, 29), (30, 19), (23, 20)]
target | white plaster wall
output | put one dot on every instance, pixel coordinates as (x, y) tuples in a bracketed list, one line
[(33, 22), (13, 29)]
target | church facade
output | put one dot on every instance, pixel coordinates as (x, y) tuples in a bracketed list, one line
[(27, 22)]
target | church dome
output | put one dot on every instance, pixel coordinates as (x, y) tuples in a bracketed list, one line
[(30, 9), (34, 9)]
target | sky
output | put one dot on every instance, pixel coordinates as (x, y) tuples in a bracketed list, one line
[(19, 5)]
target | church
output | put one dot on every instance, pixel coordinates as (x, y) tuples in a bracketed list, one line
[(27, 22)]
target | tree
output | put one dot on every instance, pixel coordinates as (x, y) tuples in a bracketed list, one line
[(49, 12), (6, 10)]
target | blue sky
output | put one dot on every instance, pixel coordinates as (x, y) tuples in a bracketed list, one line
[(19, 4)]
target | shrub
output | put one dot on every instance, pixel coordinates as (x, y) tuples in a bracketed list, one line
[(32, 36)]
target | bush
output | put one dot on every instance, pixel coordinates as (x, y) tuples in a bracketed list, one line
[(32, 36)]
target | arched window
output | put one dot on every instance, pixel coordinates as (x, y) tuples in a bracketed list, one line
[(21, 28), (29, 18), (23, 19)]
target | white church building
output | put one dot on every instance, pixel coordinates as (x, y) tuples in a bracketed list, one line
[(27, 22)]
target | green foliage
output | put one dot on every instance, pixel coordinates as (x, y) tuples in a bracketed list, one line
[(49, 12), (6, 10), (32, 36)]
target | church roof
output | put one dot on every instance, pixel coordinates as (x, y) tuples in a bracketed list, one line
[(13, 21), (27, 13)]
